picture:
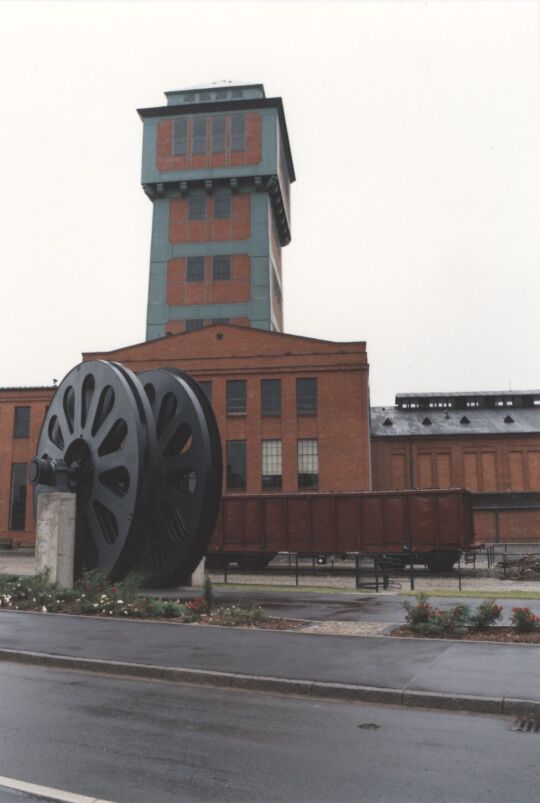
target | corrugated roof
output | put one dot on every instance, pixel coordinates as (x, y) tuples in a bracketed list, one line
[(405, 423)]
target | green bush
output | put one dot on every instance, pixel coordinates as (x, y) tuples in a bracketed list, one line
[(165, 608), (208, 593), (35, 593), (426, 620), (486, 614), (524, 620)]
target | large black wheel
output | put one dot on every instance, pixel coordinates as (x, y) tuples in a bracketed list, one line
[(98, 426), (186, 491)]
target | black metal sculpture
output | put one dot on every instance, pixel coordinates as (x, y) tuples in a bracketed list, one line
[(143, 455)]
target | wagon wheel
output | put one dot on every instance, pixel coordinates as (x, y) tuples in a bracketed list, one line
[(187, 492), (97, 424)]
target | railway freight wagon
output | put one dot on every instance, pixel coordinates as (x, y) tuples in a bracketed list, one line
[(431, 527)]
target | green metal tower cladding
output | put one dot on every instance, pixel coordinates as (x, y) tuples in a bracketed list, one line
[(217, 166)]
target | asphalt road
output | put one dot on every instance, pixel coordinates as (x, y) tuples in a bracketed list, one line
[(144, 742)]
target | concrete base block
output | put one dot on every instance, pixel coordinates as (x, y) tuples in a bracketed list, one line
[(453, 702), (197, 578), (55, 536)]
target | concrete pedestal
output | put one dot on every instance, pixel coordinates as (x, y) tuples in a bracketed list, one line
[(197, 578), (55, 536)]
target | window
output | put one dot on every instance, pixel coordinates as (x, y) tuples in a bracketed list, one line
[(236, 397), (222, 204), (204, 96), (221, 94), (21, 424), (237, 94), (218, 134), (206, 388), (306, 397), (179, 143), (197, 206), (17, 509), (221, 268), (199, 135), (308, 463), (195, 269), (194, 323), (271, 396), (271, 464), (238, 132), (236, 465)]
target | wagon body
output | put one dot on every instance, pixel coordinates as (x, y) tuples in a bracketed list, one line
[(363, 522)]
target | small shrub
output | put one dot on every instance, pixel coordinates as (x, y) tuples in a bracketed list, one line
[(208, 593), (524, 620), (197, 605), (234, 615), (426, 620), (486, 614), (165, 608)]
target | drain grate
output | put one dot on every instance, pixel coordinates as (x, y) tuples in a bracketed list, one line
[(369, 726), (527, 725)]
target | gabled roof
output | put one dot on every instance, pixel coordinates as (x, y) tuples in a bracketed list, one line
[(235, 341)]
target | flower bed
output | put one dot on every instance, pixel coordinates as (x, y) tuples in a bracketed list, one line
[(460, 622)]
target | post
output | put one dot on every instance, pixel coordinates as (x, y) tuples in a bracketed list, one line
[(412, 572), (459, 571), (55, 536)]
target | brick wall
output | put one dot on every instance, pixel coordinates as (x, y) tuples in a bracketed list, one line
[(491, 463), (19, 450), (236, 289), (251, 155), (237, 227)]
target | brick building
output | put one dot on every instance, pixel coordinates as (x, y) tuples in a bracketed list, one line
[(488, 442), (293, 411)]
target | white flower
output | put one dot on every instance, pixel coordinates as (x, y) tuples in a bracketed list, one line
[(120, 601), (44, 608)]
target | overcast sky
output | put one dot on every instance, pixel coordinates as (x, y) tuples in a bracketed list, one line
[(415, 131)]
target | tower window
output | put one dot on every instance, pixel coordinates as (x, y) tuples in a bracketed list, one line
[(271, 469), (21, 423), (197, 206), (271, 396), (236, 397), (221, 268), (204, 96), (179, 143), (194, 323), (195, 269), (306, 397), (17, 509), (237, 94), (221, 94), (199, 135), (218, 134), (236, 465), (222, 204), (238, 132), (308, 463)]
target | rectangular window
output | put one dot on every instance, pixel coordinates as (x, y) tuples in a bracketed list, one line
[(222, 204), (21, 423), (199, 135), (236, 465), (17, 509), (306, 397), (236, 397), (238, 132), (221, 94), (237, 94), (195, 269), (204, 96), (197, 206), (221, 268), (271, 464), (179, 143), (308, 463), (271, 396), (206, 388), (194, 323), (218, 134)]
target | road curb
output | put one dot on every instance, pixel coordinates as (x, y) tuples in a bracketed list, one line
[(304, 688)]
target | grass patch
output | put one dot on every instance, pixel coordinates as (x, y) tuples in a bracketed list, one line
[(445, 592), (294, 589)]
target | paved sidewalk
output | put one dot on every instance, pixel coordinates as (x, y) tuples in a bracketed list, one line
[(467, 675)]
